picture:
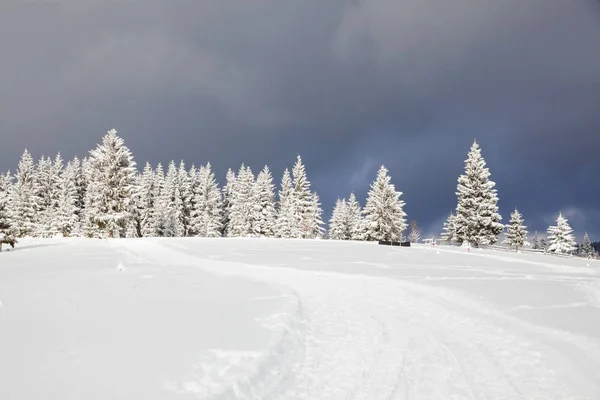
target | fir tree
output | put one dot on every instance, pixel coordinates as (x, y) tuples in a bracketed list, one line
[(544, 244), (23, 198), (207, 213), (286, 215), (587, 251), (241, 212), (111, 176), (449, 232), (477, 218), (185, 192), (264, 204), (156, 223), (314, 219), (560, 237), (7, 234), (415, 232), (66, 221), (354, 218), (302, 202), (338, 224), (516, 232), (172, 205), (226, 204), (147, 197), (384, 215)]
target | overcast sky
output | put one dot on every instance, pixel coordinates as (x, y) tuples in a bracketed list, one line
[(348, 84)]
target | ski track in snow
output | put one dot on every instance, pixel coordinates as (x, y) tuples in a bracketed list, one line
[(368, 337)]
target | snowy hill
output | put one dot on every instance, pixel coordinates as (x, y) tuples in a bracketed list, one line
[(294, 319)]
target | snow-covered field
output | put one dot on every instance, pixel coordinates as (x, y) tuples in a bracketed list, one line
[(293, 319)]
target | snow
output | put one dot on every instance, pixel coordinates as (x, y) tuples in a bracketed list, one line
[(294, 319)]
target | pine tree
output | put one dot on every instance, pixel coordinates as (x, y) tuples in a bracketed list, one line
[(449, 232), (226, 204), (516, 232), (157, 219), (338, 224), (185, 192), (23, 197), (65, 221), (302, 202), (7, 234), (560, 237), (207, 214), (241, 212), (147, 197), (172, 205), (286, 216), (49, 176), (264, 204), (384, 215), (587, 251), (354, 218), (111, 176), (415, 232), (477, 218), (314, 219), (536, 245)]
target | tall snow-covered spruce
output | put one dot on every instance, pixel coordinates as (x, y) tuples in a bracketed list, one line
[(305, 204), (242, 214), (24, 204), (285, 226), (338, 226), (7, 232), (384, 215), (477, 218), (264, 204), (449, 230), (354, 218), (516, 234), (207, 218), (586, 250), (66, 222), (560, 237), (111, 176)]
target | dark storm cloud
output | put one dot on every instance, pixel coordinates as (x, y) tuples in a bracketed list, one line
[(348, 84)]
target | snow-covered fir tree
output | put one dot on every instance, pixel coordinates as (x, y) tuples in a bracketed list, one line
[(315, 219), (242, 211), (586, 250), (338, 224), (477, 218), (383, 212), (43, 187), (185, 191), (65, 221), (111, 176), (207, 214), (302, 202), (449, 230), (7, 232), (560, 237), (156, 223), (147, 196), (171, 204), (415, 232), (354, 218), (227, 190), (516, 234), (23, 199), (286, 224), (264, 204)]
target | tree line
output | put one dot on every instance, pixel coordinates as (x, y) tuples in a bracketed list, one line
[(103, 195)]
